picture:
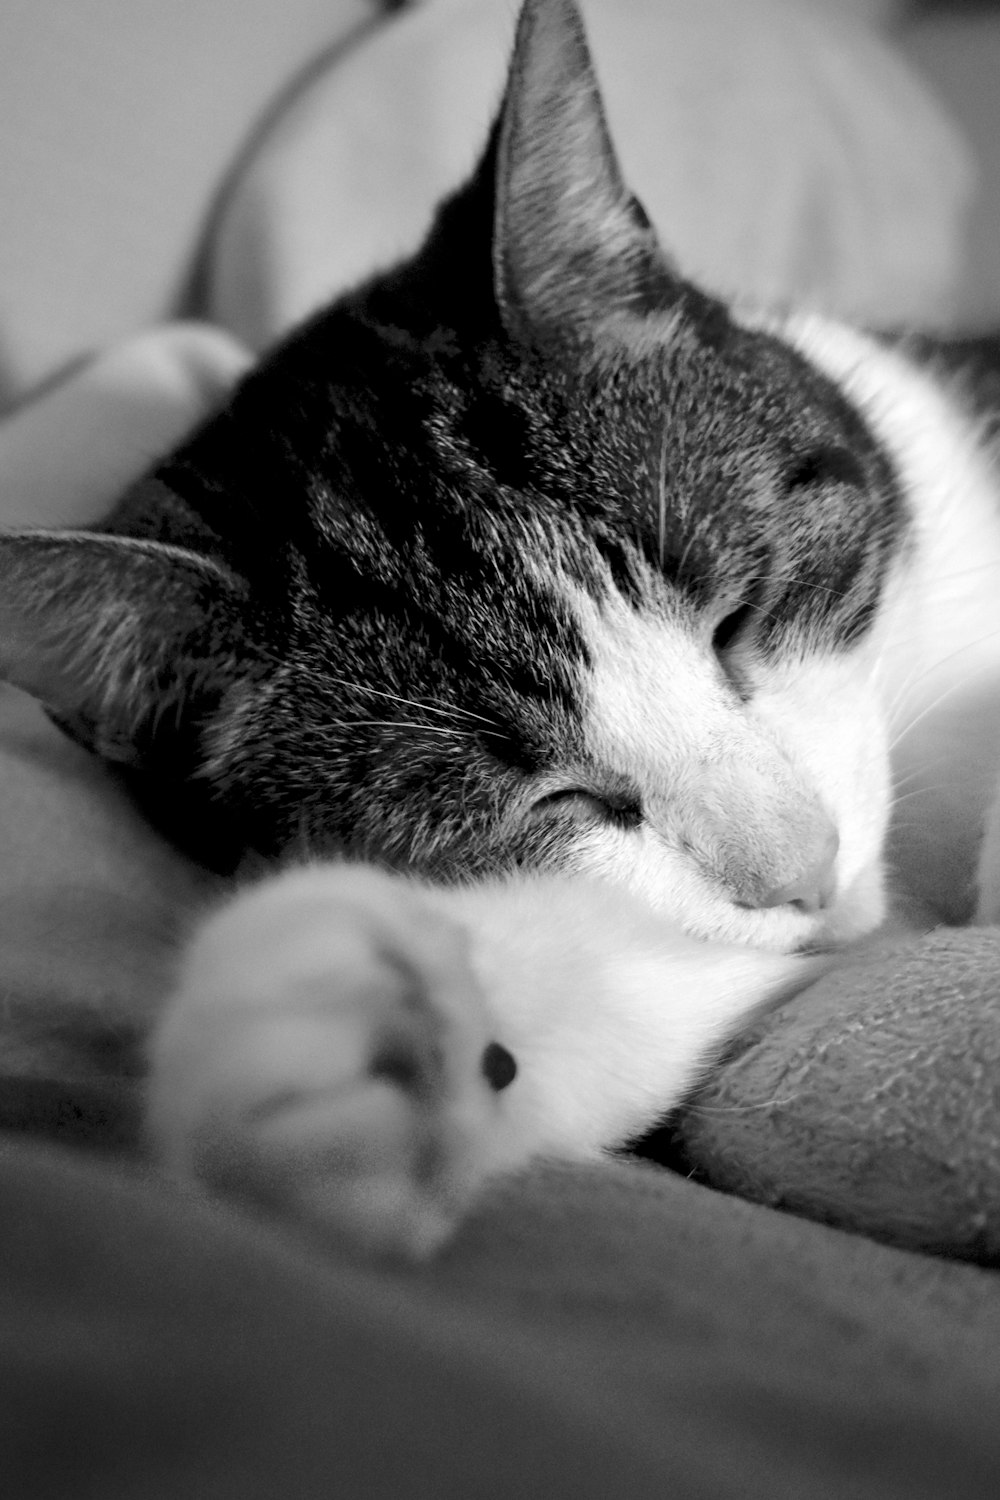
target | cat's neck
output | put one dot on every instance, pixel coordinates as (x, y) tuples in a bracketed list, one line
[(939, 657)]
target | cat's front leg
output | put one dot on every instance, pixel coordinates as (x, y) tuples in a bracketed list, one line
[(363, 1052), (610, 1010)]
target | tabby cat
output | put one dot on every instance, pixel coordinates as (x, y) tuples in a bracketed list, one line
[(544, 628)]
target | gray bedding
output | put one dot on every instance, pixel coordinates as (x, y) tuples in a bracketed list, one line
[(618, 1331)]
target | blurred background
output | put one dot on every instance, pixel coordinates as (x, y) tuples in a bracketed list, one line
[(240, 160)]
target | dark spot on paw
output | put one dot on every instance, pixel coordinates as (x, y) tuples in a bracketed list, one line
[(498, 1066)]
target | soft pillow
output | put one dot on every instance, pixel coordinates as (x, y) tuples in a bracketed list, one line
[(872, 1101), (784, 151)]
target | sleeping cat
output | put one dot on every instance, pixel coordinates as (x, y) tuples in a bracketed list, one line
[(542, 629)]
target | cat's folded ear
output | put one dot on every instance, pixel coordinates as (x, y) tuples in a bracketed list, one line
[(116, 637), (572, 247)]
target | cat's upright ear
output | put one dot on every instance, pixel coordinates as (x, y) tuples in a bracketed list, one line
[(116, 637), (572, 246)]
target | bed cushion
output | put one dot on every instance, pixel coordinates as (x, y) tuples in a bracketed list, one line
[(872, 1101)]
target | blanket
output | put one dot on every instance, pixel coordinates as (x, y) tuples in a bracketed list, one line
[(591, 1332), (621, 1329)]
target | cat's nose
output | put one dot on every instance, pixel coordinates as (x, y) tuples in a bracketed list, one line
[(814, 888)]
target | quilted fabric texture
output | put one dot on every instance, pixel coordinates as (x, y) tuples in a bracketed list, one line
[(872, 1101)]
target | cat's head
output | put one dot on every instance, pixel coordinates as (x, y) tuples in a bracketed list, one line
[(526, 554)]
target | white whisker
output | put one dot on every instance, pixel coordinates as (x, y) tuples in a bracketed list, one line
[(430, 708), (439, 729), (943, 696)]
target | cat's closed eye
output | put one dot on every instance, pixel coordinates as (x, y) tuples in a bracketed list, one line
[(732, 625), (586, 805)]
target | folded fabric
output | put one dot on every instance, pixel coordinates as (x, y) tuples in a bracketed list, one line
[(67, 453), (89, 897)]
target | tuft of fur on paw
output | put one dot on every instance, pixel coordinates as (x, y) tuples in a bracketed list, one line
[(327, 1056)]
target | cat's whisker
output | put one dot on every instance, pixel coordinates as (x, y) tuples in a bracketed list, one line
[(761, 612), (901, 783), (918, 791), (905, 777), (908, 728), (947, 692), (753, 581), (439, 729), (810, 583), (424, 707), (897, 693), (960, 575), (662, 500)]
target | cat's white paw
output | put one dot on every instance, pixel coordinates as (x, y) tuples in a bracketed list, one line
[(327, 1054)]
